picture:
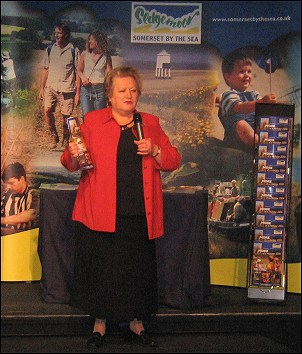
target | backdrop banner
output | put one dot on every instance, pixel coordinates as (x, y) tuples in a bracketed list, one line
[(182, 51)]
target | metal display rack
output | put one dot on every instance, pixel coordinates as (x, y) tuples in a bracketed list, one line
[(267, 268)]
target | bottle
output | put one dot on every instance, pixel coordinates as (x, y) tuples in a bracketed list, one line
[(84, 157)]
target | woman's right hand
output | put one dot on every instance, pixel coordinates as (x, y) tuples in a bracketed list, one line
[(73, 149), (86, 82)]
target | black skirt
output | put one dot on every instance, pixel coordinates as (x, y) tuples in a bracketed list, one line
[(115, 273)]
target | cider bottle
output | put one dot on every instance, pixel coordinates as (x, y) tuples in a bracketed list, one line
[(84, 157)]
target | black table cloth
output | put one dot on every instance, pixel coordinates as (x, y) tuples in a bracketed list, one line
[(182, 253)]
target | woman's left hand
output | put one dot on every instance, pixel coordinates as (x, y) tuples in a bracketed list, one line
[(145, 147)]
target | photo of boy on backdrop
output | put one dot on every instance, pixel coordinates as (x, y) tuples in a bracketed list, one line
[(237, 105), (19, 203)]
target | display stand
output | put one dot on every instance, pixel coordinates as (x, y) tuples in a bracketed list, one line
[(271, 202)]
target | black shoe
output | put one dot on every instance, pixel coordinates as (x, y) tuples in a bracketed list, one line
[(96, 340), (142, 339)]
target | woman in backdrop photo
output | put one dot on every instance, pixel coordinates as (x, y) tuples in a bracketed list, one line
[(119, 211), (94, 64)]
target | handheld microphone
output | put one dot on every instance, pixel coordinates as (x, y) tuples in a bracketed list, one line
[(139, 125)]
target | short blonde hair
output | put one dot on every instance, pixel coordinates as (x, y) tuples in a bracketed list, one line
[(121, 71)]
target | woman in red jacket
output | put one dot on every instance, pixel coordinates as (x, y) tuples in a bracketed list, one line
[(119, 209)]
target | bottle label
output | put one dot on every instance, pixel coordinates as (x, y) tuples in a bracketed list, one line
[(84, 157)]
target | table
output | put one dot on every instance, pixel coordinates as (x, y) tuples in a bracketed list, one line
[(182, 253)]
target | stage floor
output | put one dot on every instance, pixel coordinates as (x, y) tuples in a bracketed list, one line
[(227, 312)]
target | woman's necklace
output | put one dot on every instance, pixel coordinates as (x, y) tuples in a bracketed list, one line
[(126, 126)]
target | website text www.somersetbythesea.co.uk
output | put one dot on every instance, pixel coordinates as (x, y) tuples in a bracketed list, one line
[(250, 19)]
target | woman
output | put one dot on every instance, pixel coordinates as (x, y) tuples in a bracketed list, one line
[(119, 209), (94, 64)]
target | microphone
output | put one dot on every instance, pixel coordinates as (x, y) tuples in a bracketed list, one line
[(139, 125)]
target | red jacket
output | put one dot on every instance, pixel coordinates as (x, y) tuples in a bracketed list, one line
[(95, 204)]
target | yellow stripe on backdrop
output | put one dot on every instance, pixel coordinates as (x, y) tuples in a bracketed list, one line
[(233, 272), (20, 262), (19, 257)]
